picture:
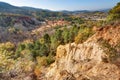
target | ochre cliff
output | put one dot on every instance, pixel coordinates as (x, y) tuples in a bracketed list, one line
[(86, 61)]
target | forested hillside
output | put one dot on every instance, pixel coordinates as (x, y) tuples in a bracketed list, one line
[(38, 44)]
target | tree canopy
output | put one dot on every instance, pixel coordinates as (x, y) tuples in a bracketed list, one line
[(114, 14)]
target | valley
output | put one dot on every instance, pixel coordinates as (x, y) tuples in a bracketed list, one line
[(41, 44)]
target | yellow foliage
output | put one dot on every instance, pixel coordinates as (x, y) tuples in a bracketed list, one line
[(42, 61), (42, 41), (7, 45), (78, 38), (83, 35), (37, 71)]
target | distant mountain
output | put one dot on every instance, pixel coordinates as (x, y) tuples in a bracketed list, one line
[(74, 12), (31, 8), (28, 11), (84, 11), (8, 8), (26, 16), (5, 7), (80, 11), (105, 10)]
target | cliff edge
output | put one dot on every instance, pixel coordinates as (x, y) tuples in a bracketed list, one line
[(95, 59)]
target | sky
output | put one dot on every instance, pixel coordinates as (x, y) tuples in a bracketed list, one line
[(65, 4)]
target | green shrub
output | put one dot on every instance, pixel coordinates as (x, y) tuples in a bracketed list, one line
[(45, 61), (114, 14), (110, 51), (83, 35)]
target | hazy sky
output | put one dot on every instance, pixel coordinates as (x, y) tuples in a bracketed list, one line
[(65, 4)]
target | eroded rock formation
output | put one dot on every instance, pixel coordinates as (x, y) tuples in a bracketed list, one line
[(86, 61)]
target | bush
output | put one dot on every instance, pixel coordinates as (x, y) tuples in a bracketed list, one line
[(45, 61), (6, 56), (114, 14), (83, 35), (46, 38), (110, 51), (7, 46), (66, 35)]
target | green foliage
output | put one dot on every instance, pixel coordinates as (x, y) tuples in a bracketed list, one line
[(73, 32), (75, 20), (50, 60), (42, 15), (36, 49), (47, 44), (54, 43), (83, 35), (20, 48), (44, 61), (110, 51), (114, 14), (69, 34), (58, 35), (65, 35), (46, 38), (6, 56), (42, 51)]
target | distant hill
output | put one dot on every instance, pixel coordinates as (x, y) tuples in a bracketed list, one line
[(8, 8), (10, 14), (104, 10), (9, 11), (75, 12), (5, 7), (31, 8), (85, 11)]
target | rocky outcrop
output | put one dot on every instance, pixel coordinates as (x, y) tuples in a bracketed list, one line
[(85, 61)]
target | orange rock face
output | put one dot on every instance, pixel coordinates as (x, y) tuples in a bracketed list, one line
[(85, 61)]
